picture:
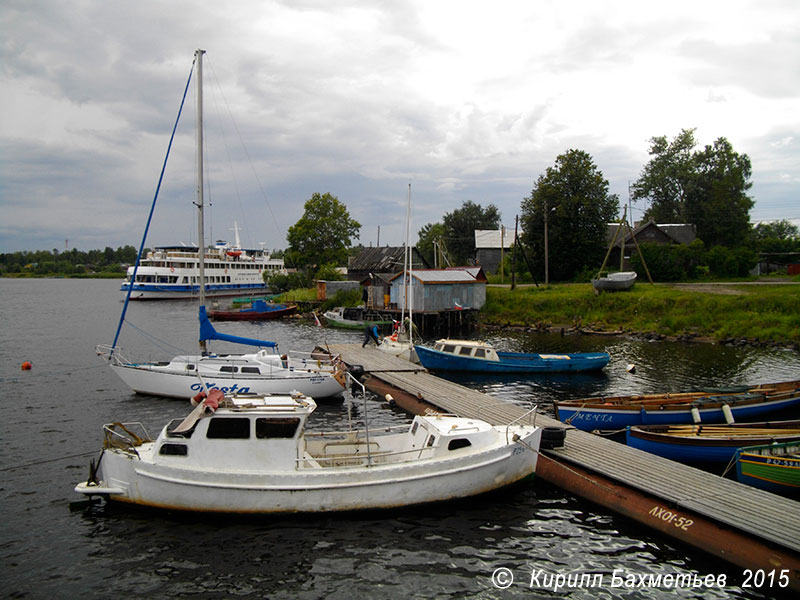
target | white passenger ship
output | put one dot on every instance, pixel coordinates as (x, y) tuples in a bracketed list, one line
[(173, 271)]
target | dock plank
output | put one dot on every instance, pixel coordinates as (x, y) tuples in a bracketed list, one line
[(761, 514)]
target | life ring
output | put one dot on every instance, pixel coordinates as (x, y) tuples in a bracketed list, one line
[(172, 269)]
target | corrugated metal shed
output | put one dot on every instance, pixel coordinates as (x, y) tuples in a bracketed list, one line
[(441, 289)]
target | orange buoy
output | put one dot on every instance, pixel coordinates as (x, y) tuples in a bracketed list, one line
[(27, 366)]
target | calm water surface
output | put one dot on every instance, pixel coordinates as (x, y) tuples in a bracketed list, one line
[(52, 422)]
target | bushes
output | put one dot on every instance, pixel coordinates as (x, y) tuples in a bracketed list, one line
[(681, 262)]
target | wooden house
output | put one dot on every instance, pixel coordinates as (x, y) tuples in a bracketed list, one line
[(647, 233)]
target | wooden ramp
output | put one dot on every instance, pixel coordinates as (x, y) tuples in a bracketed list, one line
[(675, 487)]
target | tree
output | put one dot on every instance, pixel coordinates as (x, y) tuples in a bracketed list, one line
[(707, 188), (666, 179), (322, 235), (779, 230), (460, 226), (719, 204), (429, 236), (778, 241), (574, 196)]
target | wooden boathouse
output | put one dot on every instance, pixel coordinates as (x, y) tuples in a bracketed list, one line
[(740, 524)]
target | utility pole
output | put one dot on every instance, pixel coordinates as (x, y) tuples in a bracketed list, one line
[(502, 251), (514, 254), (546, 250)]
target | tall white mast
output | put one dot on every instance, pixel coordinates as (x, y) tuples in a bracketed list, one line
[(200, 223), (410, 269)]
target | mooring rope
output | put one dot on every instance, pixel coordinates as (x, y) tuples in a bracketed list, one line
[(48, 460)]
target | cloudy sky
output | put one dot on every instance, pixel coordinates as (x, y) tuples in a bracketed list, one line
[(464, 100)]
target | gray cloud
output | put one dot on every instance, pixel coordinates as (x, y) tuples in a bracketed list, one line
[(359, 98)]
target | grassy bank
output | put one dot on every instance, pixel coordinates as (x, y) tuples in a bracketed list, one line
[(759, 312)]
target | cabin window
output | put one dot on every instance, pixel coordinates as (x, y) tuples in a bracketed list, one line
[(458, 443), (190, 367), (229, 429), (431, 441), (465, 351), (414, 427), (173, 450), (228, 369), (276, 428), (449, 348), (183, 434), (254, 370), (480, 353)]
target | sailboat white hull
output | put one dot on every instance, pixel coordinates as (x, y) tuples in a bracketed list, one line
[(404, 350), (148, 380), (255, 373)]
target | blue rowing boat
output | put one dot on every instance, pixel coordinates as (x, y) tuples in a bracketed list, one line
[(744, 403), (480, 357), (709, 443)]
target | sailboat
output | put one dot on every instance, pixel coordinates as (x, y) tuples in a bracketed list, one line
[(263, 371), (401, 342)]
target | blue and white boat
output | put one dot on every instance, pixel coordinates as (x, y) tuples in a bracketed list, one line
[(713, 406), (480, 357), (174, 271)]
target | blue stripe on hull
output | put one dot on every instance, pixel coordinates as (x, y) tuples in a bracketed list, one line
[(594, 418), (188, 291), (682, 451)]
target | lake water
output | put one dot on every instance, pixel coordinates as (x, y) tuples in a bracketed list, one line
[(51, 426)]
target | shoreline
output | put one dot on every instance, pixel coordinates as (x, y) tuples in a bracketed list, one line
[(757, 313), (688, 338)]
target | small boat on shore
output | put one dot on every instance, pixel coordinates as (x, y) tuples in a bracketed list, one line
[(250, 454), (710, 406), (258, 310), (615, 282), (771, 467), (480, 357), (354, 318), (709, 443)]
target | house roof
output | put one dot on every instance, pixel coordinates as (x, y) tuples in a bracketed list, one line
[(384, 259), (678, 233)]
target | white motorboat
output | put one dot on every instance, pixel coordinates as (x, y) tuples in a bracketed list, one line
[(260, 371), (251, 454)]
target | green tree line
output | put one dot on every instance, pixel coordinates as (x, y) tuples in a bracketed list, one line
[(69, 262)]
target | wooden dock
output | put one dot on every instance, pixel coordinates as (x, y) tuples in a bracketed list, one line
[(738, 523)]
